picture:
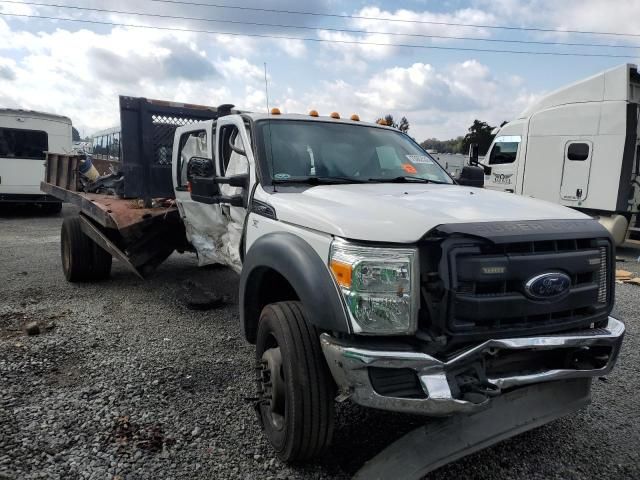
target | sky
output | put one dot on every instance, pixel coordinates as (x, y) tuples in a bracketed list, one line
[(79, 69)]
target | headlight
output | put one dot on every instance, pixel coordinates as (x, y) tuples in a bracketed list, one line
[(379, 286)]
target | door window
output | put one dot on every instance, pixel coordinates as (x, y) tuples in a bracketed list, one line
[(578, 152), (192, 144), (25, 144), (505, 149), (229, 134)]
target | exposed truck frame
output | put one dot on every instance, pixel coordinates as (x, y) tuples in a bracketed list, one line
[(402, 293)]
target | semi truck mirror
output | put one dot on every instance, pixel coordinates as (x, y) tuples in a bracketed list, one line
[(472, 176)]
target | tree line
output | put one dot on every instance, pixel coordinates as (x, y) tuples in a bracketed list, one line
[(479, 132)]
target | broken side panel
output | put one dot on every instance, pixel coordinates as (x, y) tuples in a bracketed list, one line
[(214, 230)]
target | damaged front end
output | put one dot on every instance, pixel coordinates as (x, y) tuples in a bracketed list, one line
[(502, 305), (406, 380)]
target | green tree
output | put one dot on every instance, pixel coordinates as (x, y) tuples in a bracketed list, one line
[(403, 125), (480, 133), (75, 135), (453, 145)]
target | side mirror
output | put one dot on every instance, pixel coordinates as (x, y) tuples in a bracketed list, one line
[(472, 176), (207, 190), (474, 154), (203, 188)]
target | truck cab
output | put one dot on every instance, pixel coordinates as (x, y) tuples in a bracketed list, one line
[(367, 273), (506, 154), (579, 147)]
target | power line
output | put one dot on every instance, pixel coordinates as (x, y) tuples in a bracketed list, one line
[(320, 40), (329, 29), (400, 20)]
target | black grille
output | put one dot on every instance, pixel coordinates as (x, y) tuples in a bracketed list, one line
[(482, 293)]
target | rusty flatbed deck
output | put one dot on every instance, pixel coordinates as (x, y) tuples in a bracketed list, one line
[(109, 211)]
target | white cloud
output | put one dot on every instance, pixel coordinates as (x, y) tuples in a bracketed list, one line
[(398, 27), (80, 74), (293, 48), (439, 102), (240, 69)]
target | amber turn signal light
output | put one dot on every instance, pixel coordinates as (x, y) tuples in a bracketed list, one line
[(342, 273)]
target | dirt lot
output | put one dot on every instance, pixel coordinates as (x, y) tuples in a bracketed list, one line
[(125, 382)]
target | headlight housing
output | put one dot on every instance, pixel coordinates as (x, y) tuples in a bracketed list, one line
[(379, 286)]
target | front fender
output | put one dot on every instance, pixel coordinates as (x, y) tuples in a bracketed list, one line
[(296, 261)]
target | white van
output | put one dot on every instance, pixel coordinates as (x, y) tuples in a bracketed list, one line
[(577, 146), (25, 136)]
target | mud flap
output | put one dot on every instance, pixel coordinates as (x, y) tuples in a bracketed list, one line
[(445, 440)]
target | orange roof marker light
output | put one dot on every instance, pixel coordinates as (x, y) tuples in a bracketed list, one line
[(382, 121), (355, 118), (335, 115), (275, 111), (313, 113)]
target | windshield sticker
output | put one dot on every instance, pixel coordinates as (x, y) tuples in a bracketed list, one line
[(423, 159), (407, 167), (282, 176)]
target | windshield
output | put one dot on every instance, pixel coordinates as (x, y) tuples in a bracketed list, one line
[(311, 150)]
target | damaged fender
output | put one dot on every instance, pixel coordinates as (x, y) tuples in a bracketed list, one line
[(296, 261)]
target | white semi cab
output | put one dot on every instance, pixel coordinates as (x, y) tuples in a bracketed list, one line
[(577, 146), (368, 274), (25, 137)]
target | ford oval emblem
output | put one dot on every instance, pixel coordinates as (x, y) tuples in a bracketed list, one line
[(547, 285)]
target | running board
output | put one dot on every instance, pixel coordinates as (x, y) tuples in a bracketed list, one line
[(446, 440)]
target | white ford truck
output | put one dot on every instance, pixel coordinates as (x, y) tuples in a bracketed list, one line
[(367, 273)]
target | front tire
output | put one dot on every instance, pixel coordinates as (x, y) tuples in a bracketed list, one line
[(295, 387)]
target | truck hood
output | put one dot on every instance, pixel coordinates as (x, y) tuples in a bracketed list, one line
[(403, 213)]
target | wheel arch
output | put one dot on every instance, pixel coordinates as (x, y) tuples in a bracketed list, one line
[(282, 266)]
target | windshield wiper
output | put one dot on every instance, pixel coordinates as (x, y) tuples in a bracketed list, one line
[(406, 179), (318, 180)]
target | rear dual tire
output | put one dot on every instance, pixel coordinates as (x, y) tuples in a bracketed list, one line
[(83, 260), (295, 387)]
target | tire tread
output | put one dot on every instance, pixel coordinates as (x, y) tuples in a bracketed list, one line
[(313, 416)]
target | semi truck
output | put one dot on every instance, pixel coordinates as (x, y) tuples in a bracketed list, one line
[(579, 147), (366, 273)]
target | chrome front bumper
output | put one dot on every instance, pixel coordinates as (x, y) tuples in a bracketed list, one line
[(349, 366)]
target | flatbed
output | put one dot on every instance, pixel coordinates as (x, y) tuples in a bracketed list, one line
[(110, 211), (141, 226), (141, 238)]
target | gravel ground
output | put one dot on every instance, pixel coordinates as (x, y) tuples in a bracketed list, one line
[(125, 382)]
